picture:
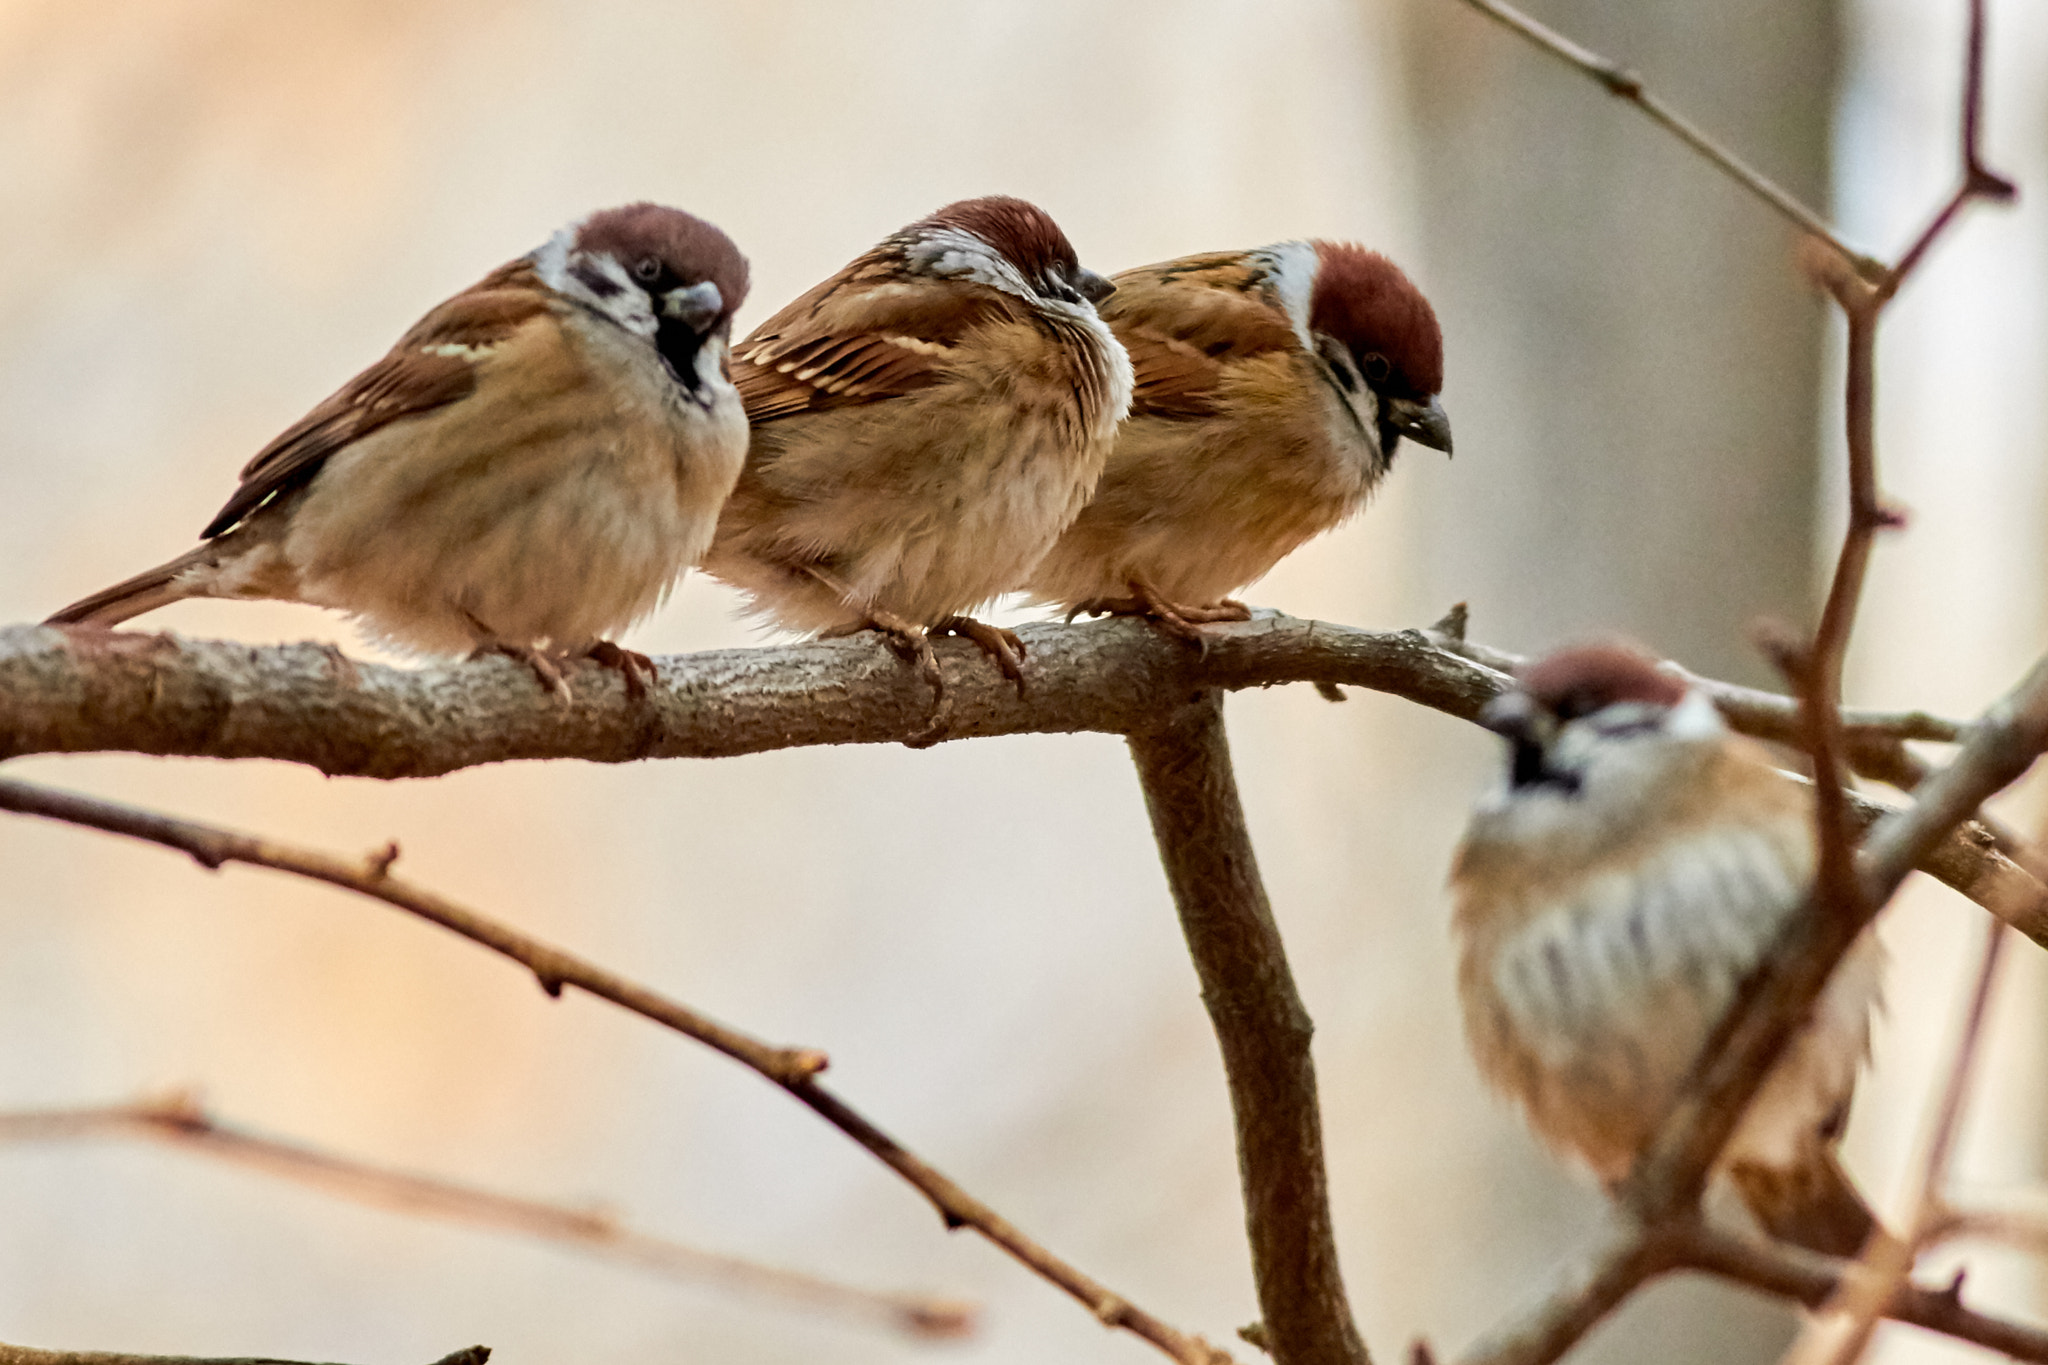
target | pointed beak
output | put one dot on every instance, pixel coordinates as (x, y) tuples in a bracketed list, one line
[(1093, 287), (1423, 423), (696, 307)]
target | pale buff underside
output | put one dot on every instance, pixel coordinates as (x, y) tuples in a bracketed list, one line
[(559, 508), (1592, 1014), (1199, 508), (924, 505)]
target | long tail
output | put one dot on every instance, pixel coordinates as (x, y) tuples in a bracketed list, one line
[(186, 576), (1814, 1206)]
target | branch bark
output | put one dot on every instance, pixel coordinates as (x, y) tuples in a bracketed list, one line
[(1262, 1028)]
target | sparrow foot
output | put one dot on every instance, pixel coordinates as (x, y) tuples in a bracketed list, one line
[(635, 668), (544, 668), (1181, 622), (910, 643), (1001, 645)]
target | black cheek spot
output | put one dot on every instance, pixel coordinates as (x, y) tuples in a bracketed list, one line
[(596, 281)]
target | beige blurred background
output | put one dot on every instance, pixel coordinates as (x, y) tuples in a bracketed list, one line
[(215, 210)]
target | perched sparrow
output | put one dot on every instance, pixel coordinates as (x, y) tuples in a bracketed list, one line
[(925, 424), (1612, 896), (526, 472), (1272, 389)]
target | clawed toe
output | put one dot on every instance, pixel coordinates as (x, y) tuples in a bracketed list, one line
[(544, 668), (1001, 645), (635, 668)]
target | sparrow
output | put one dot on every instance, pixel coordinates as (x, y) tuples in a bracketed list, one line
[(528, 471), (925, 424), (1273, 388), (1610, 898)]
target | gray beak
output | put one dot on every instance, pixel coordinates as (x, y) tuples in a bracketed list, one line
[(1093, 287), (1423, 423), (695, 307)]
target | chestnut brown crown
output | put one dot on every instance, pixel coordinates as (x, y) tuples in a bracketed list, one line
[(1028, 237), (665, 248), (1583, 679), (1364, 301)]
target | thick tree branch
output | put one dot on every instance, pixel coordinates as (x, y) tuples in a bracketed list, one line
[(89, 691), (794, 1070), (1261, 1026), (179, 1121)]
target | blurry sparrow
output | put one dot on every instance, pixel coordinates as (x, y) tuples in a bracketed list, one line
[(925, 424), (1611, 897), (527, 472), (1272, 389)]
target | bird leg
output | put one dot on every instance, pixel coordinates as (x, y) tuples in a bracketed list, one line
[(1001, 645), (1182, 622), (544, 668), (906, 638), (635, 668)]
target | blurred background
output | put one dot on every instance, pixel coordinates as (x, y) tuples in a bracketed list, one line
[(218, 210)]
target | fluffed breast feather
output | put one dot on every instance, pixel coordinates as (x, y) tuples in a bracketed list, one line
[(1591, 977)]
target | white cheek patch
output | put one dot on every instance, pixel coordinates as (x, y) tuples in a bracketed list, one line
[(1291, 269)]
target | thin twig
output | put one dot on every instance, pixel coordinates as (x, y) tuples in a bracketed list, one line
[(1262, 1028), (179, 1120), (29, 1355), (1627, 85), (794, 1070), (1639, 1254), (1587, 1294), (1841, 1332)]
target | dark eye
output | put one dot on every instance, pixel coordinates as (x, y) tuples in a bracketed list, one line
[(1375, 368), (647, 269)]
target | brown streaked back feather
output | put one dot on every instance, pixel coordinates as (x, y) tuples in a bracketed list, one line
[(860, 336), (414, 377), (1180, 320)]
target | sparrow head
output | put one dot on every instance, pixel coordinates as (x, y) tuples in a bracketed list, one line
[(1378, 339), (1007, 243), (658, 272), (1568, 710)]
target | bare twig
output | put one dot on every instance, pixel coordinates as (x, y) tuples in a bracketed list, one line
[(1638, 1255), (1791, 1273), (178, 1120), (794, 1070), (29, 1355), (1627, 85), (1262, 1028), (1587, 1294), (1841, 1332)]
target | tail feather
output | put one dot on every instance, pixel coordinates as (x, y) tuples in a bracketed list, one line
[(159, 587), (1813, 1205)]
